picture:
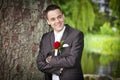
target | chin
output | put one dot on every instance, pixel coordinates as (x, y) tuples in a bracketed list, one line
[(60, 29)]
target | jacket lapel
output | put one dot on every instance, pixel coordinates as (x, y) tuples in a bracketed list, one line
[(52, 39), (65, 34)]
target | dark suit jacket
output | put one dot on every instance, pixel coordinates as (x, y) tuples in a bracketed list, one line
[(69, 59)]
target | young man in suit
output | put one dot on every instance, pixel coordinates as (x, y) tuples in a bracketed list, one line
[(60, 49)]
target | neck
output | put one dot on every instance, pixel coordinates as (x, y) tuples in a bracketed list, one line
[(60, 30)]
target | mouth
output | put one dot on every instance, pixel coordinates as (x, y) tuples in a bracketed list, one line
[(58, 25)]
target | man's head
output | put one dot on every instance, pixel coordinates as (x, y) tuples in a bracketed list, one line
[(55, 17), (51, 7)]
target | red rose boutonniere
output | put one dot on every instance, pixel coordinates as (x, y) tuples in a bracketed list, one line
[(57, 46)]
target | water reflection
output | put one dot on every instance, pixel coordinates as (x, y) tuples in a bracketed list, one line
[(93, 63)]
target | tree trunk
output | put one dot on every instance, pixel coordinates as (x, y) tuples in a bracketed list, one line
[(21, 27)]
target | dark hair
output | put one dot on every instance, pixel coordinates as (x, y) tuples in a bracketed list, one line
[(51, 7)]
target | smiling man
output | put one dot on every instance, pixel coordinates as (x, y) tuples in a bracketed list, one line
[(56, 19), (63, 62)]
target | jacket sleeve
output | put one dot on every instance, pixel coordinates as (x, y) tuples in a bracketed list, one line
[(74, 55), (41, 63)]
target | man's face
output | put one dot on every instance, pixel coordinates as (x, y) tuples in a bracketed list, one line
[(55, 18)]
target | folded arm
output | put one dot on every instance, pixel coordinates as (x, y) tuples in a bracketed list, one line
[(41, 60)]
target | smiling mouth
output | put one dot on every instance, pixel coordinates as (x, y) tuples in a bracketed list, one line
[(58, 24)]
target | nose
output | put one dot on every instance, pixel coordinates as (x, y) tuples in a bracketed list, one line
[(57, 20)]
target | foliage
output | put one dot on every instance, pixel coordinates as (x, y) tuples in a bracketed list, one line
[(112, 15), (108, 50), (106, 59), (102, 44), (84, 14), (107, 29), (100, 19), (107, 46), (90, 59), (79, 13), (116, 71), (115, 6)]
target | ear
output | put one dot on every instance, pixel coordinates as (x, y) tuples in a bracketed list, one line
[(48, 22), (63, 16)]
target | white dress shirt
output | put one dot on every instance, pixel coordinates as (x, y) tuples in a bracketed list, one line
[(58, 36)]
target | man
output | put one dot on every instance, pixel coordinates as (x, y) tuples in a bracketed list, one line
[(60, 49)]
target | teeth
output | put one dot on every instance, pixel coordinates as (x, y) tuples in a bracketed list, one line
[(58, 24)]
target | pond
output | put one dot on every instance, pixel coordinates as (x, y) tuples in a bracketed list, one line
[(101, 55), (92, 64)]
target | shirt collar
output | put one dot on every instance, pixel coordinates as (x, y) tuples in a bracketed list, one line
[(61, 32)]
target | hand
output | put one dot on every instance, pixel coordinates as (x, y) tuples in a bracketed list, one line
[(48, 59), (61, 69)]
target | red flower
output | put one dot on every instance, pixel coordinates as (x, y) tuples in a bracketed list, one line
[(57, 45)]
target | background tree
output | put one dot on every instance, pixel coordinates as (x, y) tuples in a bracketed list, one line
[(21, 27)]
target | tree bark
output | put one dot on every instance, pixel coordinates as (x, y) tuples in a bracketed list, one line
[(21, 26)]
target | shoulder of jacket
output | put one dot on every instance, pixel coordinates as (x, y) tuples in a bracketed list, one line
[(47, 33), (74, 31)]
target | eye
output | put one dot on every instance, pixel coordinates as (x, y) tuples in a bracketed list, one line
[(60, 16), (52, 19)]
